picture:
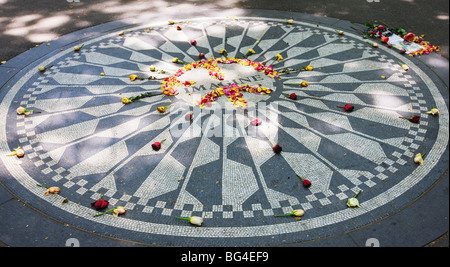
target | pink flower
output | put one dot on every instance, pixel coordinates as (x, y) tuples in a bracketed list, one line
[(256, 122)]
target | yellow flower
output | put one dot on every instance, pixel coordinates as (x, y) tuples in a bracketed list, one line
[(134, 77), (278, 57), (304, 84), (52, 190), (251, 51), (126, 100), (404, 66), (77, 48), (309, 68), (290, 21), (162, 109), (223, 52), (102, 74), (419, 159), (152, 68)]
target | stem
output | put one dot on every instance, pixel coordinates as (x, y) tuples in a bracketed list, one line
[(300, 177), (43, 186), (183, 218), (282, 215), (104, 212), (162, 141), (357, 194)]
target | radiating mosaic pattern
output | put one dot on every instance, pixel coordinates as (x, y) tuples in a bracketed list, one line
[(219, 166)]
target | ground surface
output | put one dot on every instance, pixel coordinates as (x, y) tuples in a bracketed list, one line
[(219, 166)]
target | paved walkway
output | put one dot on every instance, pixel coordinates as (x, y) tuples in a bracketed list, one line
[(219, 165)]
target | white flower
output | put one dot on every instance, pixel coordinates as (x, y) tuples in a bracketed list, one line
[(433, 111), (196, 220), (21, 110), (296, 213), (404, 66), (353, 202)]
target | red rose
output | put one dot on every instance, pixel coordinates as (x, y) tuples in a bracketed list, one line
[(193, 42), (348, 108), (157, 145), (201, 56), (385, 39), (293, 96), (100, 204), (277, 148), (413, 119), (188, 116), (256, 122), (410, 36), (306, 183)]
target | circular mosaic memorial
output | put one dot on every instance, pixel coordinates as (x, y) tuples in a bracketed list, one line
[(217, 163)]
